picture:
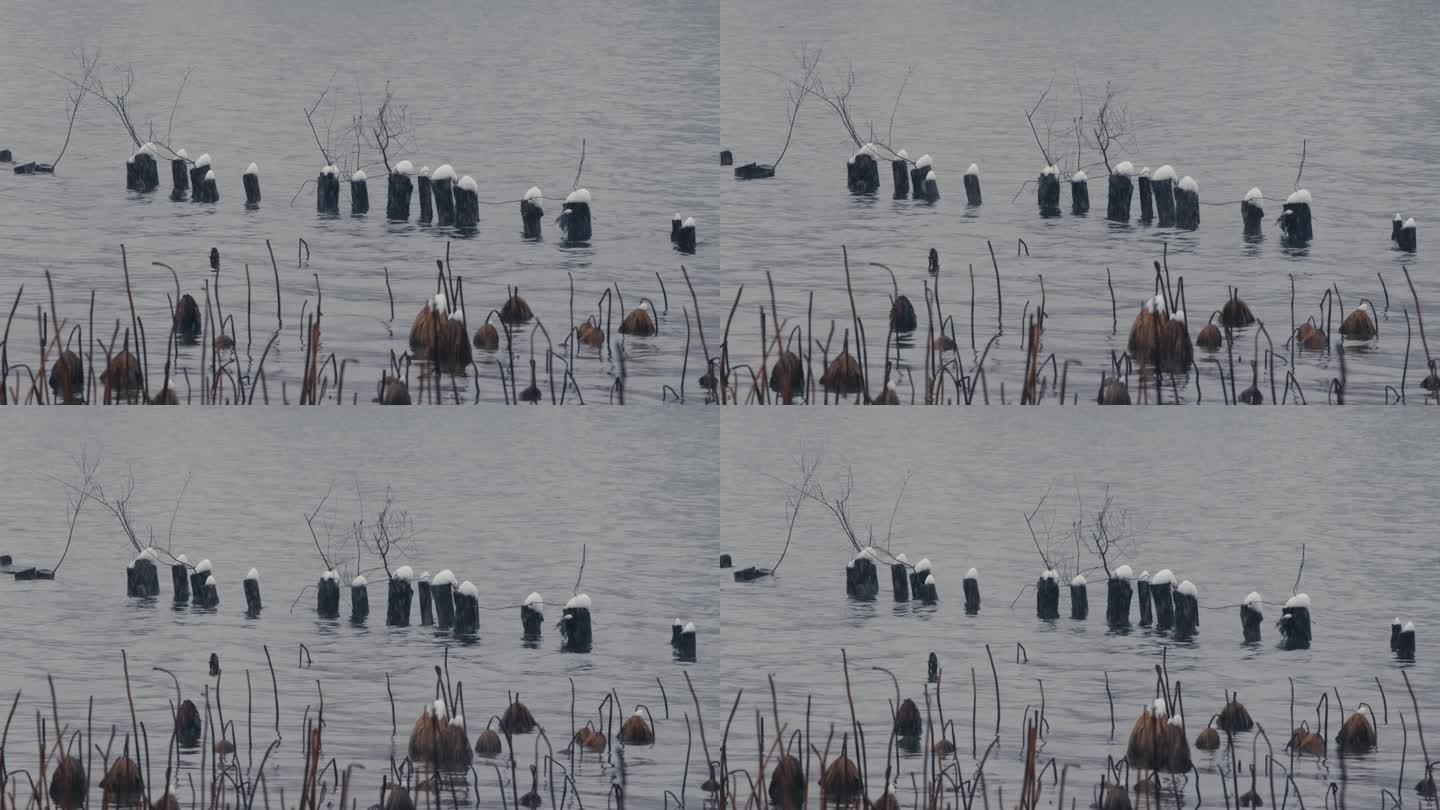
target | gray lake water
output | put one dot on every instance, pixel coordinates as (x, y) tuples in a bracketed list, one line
[(1225, 92), (505, 93)]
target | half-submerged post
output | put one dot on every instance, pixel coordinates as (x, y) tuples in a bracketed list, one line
[(327, 191), (972, 184), (863, 171), (1119, 191), (1295, 623), (252, 594), (359, 193), (917, 578), (1142, 598), (142, 173), (532, 617), (1407, 240), (467, 609), (1163, 187), (1047, 194), (399, 591), (251, 182), (142, 577), (575, 217), (685, 241), (900, 174), (575, 633), (917, 177), (1187, 610), (1117, 596), (1250, 617), (1187, 204), (1295, 218), (1047, 592), (422, 192), (1079, 598), (327, 595), (932, 186), (862, 581), (211, 187), (900, 578), (1079, 193), (442, 186), (180, 579), (197, 179), (726, 157), (532, 212), (684, 643), (1252, 211), (1162, 595), (467, 203), (1147, 196), (199, 596), (180, 175), (359, 599), (427, 604), (1405, 642), (397, 192), (972, 592), (442, 593)]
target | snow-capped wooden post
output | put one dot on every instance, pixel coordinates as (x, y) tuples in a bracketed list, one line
[(422, 192), (900, 578), (442, 593), (179, 175), (972, 184), (1405, 642), (399, 592), (180, 580), (397, 193), (1047, 591), (972, 592), (685, 643), (1079, 193), (359, 599), (427, 603), (1163, 187), (1252, 211), (142, 173), (442, 187), (575, 631), (211, 187), (198, 578), (1251, 617), (1187, 610), (575, 217), (900, 175), (327, 191), (1407, 240), (467, 609), (197, 180), (1295, 623), (252, 594), (917, 577), (532, 617), (1187, 204), (685, 242), (1117, 597), (467, 203), (1162, 594), (1119, 190), (917, 177), (251, 181), (1079, 598), (726, 158), (1295, 224), (532, 213), (142, 577), (359, 193), (1147, 196), (864, 171), (932, 186), (1047, 193), (327, 595)]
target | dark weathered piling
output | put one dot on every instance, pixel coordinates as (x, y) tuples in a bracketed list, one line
[(142, 577), (6, 157), (725, 561), (900, 175), (917, 578), (726, 158), (199, 577), (252, 594), (929, 590), (1047, 596), (422, 192), (532, 617), (1079, 598), (575, 217), (442, 593), (180, 580), (1187, 204), (467, 609), (427, 603), (142, 172), (686, 241), (1117, 597), (179, 175), (932, 187), (675, 220), (1142, 598), (862, 580), (399, 594), (1079, 194), (1119, 191), (1162, 596), (1407, 240), (327, 191), (199, 192), (1405, 643), (917, 177), (359, 599), (1163, 187), (863, 171), (251, 181), (900, 579), (359, 193), (972, 592), (1047, 194), (1187, 610), (467, 203), (397, 192), (1145, 186), (1294, 624), (575, 635), (754, 171), (210, 187), (1252, 211), (327, 595), (442, 188), (1250, 617), (972, 184), (1395, 225), (532, 213), (1295, 222), (685, 643)]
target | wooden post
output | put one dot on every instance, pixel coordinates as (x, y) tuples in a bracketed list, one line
[(1252, 211), (359, 194), (397, 192), (972, 184), (251, 181), (1079, 194)]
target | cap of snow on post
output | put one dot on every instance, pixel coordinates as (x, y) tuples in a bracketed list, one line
[(575, 218), (1047, 194), (1047, 596), (575, 635), (1295, 222)]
